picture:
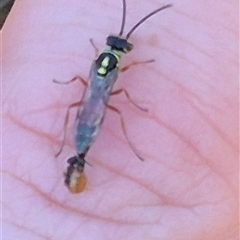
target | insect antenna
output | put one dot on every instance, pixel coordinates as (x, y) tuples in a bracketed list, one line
[(145, 18), (123, 18)]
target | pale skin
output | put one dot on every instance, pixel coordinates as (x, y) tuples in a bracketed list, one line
[(187, 187)]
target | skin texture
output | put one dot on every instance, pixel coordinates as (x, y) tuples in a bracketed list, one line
[(187, 188)]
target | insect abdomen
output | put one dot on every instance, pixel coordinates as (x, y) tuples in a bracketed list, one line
[(85, 135)]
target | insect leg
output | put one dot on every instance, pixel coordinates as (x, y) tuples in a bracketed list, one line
[(94, 46), (73, 105), (135, 63), (72, 80), (124, 130), (129, 98)]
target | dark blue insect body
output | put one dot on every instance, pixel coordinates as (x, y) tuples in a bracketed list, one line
[(103, 75)]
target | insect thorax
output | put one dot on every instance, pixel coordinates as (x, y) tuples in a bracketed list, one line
[(109, 59), (106, 62)]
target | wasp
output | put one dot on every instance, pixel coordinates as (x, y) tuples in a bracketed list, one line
[(92, 107)]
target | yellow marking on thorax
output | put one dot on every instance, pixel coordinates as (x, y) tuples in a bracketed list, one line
[(102, 70), (105, 62)]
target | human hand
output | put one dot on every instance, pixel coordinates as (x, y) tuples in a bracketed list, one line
[(187, 187)]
